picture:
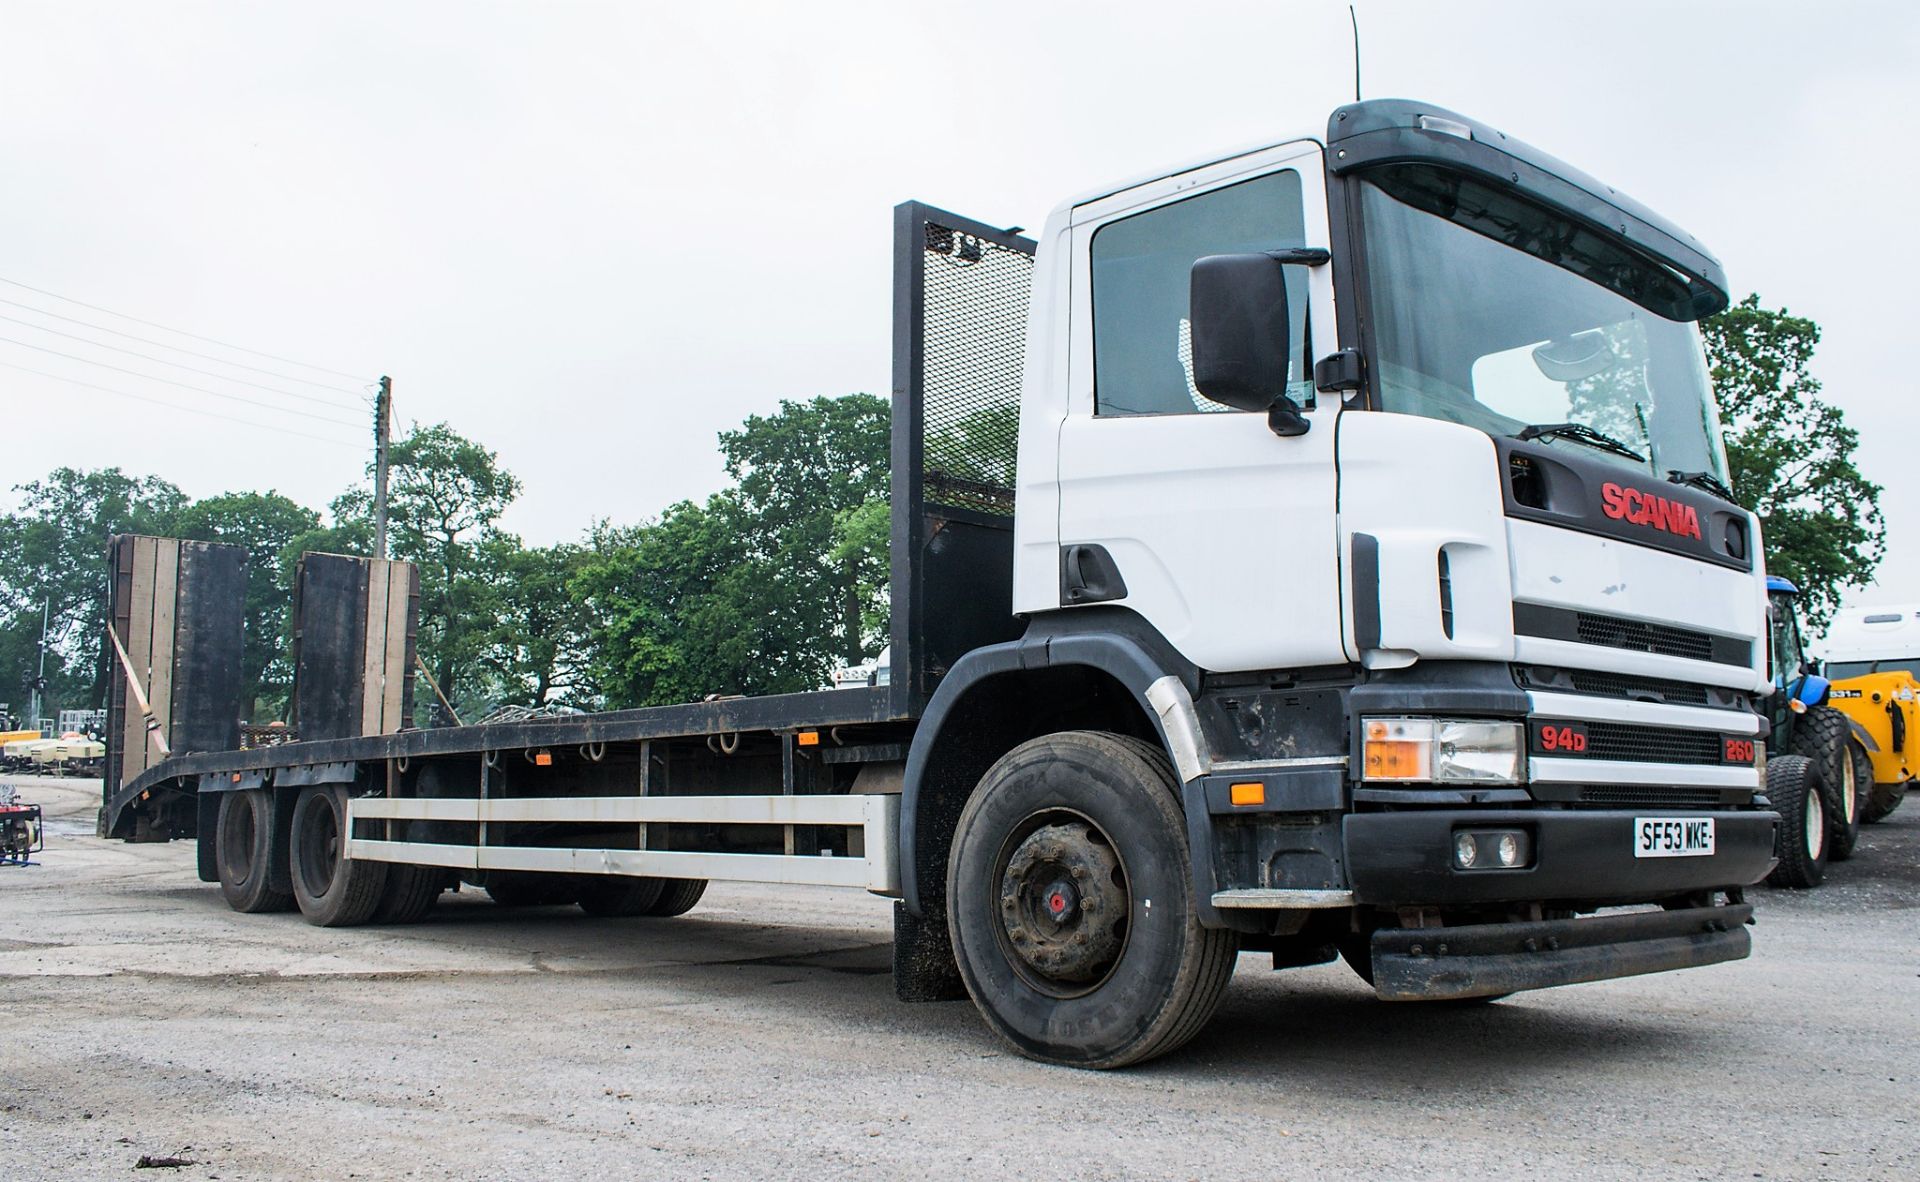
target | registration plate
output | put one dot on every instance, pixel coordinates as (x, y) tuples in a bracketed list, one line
[(1672, 837)]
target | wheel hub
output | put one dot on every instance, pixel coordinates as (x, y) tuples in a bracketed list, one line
[(1063, 903)]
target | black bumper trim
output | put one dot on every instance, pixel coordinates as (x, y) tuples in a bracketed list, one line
[(1487, 960), (1398, 859)]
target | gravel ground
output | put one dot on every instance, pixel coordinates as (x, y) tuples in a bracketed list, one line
[(758, 1037)]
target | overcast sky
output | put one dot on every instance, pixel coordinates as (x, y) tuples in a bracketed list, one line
[(592, 236)]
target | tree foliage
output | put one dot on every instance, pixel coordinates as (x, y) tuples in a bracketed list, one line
[(445, 495), (798, 472), (1791, 456), (54, 552), (763, 588)]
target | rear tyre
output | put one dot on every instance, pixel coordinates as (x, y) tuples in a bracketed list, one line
[(244, 850), (410, 893), (520, 888), (677, 896), (1843, 828), (333, 890), (609, 897), (1793, 784), (1071, 905)]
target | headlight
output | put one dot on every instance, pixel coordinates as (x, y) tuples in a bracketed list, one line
[(1451, 750)]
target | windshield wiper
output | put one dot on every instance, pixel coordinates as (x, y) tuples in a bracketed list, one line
[(1582, 433), (1704, 480)]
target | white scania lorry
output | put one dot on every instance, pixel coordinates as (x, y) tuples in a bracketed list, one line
[(1321, 550)]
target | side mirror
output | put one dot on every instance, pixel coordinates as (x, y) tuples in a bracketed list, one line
[(1237, 306)]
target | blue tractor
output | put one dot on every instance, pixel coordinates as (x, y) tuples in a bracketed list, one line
[(1814, 783)]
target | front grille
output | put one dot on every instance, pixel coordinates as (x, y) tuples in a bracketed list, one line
[(1651, 797), (1643, 744), (1640, 636)]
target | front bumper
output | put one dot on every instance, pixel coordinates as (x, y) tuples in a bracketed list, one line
[(1488, 960), (1400, 859)]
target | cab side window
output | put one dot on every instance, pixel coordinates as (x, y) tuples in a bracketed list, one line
[(1142, 353)]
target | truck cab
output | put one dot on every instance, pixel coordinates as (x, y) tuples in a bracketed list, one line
[(1381, 465)]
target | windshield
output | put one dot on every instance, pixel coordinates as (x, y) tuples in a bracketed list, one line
[(1470, 329), (1841, 670), (1787, 655)]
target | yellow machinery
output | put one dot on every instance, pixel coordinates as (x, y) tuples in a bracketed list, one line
[(1873, 657), (1884, 709)]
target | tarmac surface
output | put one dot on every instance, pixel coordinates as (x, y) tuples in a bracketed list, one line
[(758, 1037)]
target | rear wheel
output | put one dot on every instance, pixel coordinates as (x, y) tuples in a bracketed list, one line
[(245, 849), (410, 893), (1843, 827), (677, 896), (611, 897), (1071, 908), (1793, 784), (522, 888), (332, 889)]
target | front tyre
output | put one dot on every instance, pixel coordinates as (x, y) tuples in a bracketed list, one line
[(1070, 903), (1793, 784)]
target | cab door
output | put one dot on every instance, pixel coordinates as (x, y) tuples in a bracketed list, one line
[(1198, 517)]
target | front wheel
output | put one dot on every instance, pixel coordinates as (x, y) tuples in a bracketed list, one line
[(1793, 784), (1070, 904)]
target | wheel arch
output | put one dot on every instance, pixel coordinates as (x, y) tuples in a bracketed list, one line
[(1111, 672)]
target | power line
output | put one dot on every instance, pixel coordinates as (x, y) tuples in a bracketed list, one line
[(192, 410), (285, 410), (285, 377), (178, 364), (183, 332)]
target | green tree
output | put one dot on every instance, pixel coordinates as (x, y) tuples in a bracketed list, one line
[(266, 524), (535, 648), (1792, 455), (445, 495), (674, 610), (798, 471), (54, 552)]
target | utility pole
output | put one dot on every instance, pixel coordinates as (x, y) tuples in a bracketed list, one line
[(40, 678), (382, 435)]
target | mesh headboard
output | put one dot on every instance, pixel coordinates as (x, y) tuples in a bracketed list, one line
[(961, 290)]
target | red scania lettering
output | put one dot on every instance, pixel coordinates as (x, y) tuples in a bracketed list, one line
[(1644, 508)]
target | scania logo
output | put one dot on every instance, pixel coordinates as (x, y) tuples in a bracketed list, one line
[(1644, 508)]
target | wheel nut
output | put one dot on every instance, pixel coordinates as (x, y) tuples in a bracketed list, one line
[(1079, 871)]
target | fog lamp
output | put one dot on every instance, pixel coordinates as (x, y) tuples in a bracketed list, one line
[(1492, 849)]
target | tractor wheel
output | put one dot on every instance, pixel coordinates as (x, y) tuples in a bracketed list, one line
[(1843, 831), (1824, 735), (1793, 784)]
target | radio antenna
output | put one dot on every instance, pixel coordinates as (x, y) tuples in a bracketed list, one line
[(1354, 17)]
